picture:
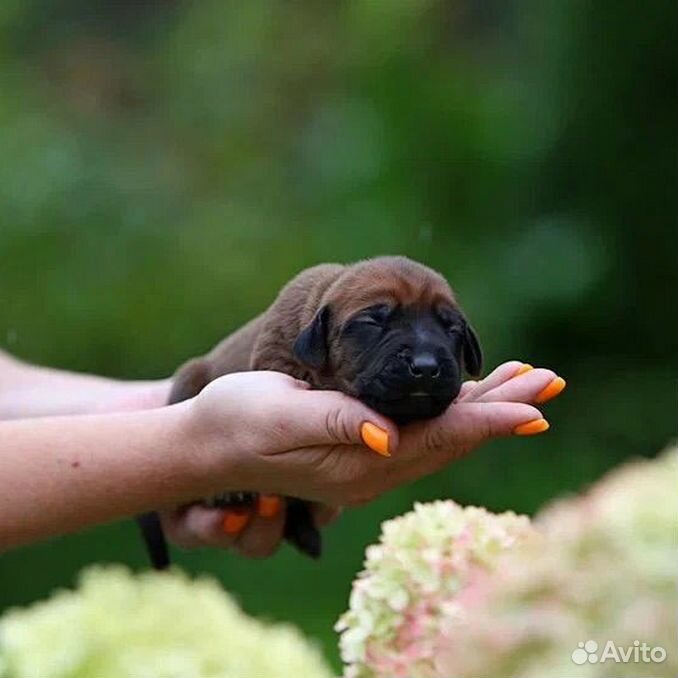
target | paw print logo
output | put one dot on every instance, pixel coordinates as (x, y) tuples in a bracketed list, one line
[(586, 652)]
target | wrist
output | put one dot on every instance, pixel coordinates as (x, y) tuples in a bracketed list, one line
[(129, 396), (210, 457)]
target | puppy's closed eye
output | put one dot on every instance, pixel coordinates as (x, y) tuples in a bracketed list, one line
[(451, 320), (374, 315)]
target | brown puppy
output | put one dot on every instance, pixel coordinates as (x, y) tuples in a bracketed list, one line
[(387, 331)]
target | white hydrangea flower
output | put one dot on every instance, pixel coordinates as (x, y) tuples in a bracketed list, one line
[(607, 572), (424, 559), (490, 597), (154, 625)]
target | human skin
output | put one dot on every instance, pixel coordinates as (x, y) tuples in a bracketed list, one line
[(108, 450)]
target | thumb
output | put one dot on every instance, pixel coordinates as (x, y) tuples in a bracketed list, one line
[(333, 418)]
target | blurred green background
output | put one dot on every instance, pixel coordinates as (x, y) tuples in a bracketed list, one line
[(166, 166)]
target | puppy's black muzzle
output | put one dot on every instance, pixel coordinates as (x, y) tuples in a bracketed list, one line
[(412, 385)]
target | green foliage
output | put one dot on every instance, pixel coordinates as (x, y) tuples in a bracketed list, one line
[(166, 167)]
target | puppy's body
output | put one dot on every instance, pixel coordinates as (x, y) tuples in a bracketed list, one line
[(267, 341), (387, 331)]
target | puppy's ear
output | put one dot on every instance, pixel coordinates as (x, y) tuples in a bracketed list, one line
[(472, 354), (310, 348)]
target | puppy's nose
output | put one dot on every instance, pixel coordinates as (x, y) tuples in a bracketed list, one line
[(423, 366)]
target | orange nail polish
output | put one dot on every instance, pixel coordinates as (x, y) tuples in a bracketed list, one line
[(375, 438), (551, 391), (268, 505), (235, 520), (523, 368), (531, 428)]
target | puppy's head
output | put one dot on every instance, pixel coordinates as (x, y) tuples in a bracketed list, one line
[(390, 333)]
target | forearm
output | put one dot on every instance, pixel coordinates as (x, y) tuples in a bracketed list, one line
[(61, 474), (34, 391)]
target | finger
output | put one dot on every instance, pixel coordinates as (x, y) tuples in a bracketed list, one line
[(269, 505), (465, 426), (262, 536), (258, 537), (175, 529), (497, 377), (324, 515), (527, 388), (197, 526), (480, 422), (332, 418), (466, 387), (427, 447)]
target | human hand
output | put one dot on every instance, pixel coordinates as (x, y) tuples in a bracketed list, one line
[(498, 406), (310, 443), (254, 532), (253, 411)]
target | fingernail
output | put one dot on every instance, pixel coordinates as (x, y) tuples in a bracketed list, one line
[(375, 438), (523, 368), (551, 391), (268, 505), (235, 520), (531, 428)]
